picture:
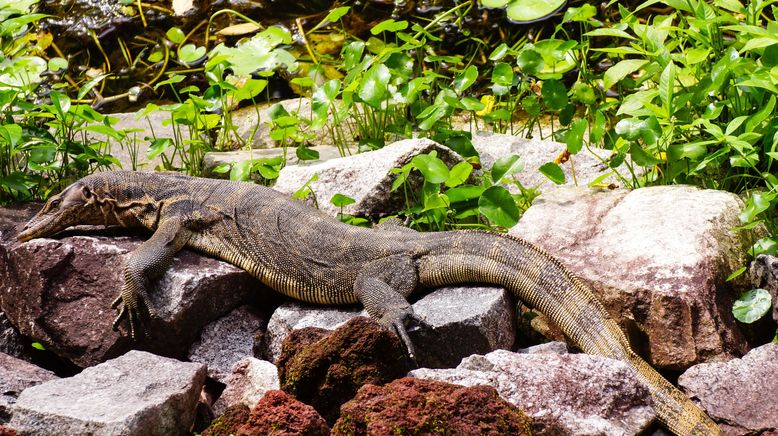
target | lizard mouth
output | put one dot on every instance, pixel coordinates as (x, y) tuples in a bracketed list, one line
[(39, 227)]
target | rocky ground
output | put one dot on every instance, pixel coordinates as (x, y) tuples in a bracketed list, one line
[(225, 355)]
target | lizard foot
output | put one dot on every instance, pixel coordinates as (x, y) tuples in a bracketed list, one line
[(131, 307), (405, 323)]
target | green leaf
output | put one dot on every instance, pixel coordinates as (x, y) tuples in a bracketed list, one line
[(640, 157), (752, 305), (528, 11), (374, 85), (459, 174), (553, 172), (583, 13), (554, 94), (506, 166), (241, 170), (175, 35), (499, 52), (334, 15), (757, 203), (340, 200), (530, 61), (737, 273), (190, 53), (575, 138), (667, 87), (466, 79), (305, 153), (620, 70), (38, 346), (498, 205), (389, 25), (57, 64), (432, 168), (157, 147)]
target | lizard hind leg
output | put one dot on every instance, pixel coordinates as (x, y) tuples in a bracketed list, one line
[(382, 287)]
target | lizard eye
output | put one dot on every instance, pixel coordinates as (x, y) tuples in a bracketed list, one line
[(56, 202)]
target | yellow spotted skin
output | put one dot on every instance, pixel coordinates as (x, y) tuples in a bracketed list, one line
[(309, 256)]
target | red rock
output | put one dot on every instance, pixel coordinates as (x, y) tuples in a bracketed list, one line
[(7, 431), (231, 420), (278, 414), (415, 406), (327, 372)]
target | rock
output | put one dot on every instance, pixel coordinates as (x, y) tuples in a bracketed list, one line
[(535, 152), (229, 422), (227, 340), (547, 348), (213, 159), (15, 376), (739, 394), (280, 414), (10, 339), (250, 379), (254, 122), (365, 177), (131, 152), (295, 316), (7, 431), (413, 406), (764, 274), (327, 372), (137, 393), (59, 292), (657, 258), (575, 394), (467, 320)]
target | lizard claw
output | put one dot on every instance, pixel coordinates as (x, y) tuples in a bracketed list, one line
[(408, 322), (130, 307)]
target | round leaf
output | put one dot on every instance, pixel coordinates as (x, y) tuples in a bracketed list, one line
[(528, 11), (433, 169), (553, 172), (374, 85), (752, 305), (554, 94), (498, 205), (340, 200)]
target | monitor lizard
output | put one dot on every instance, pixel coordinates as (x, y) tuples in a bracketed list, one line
[(309, 256)]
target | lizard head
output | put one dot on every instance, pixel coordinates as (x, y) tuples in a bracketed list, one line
[(75, 205)]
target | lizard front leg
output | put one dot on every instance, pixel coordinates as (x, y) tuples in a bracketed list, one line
[(382, 287), (146, 263)]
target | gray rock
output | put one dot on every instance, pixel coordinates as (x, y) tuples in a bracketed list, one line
[(213, 159), (10, 339), (59, 292), (572, 394), (250, 379), (535, 152), (764, 274), (252, 125), (365, 177), (137, 393), (657, 258), (740, 394), (554, 347), (227, 340), (131, 152), (16, 376), (467, 320), (294, 316)]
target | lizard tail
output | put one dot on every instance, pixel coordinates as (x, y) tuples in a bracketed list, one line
[(541, 281)]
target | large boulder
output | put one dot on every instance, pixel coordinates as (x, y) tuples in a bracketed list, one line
[(414, 406), (573, 394), (327, 372), (365, 177), (59, 292), (658, 259), (16, 376), (138, 393), (740, 394)]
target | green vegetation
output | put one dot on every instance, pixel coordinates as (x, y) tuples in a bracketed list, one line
[(661, 95)]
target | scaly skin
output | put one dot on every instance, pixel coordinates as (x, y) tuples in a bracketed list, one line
[(309, 256)]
